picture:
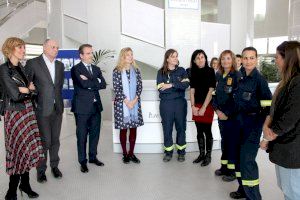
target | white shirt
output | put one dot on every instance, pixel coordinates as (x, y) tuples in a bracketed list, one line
[(51, 67)]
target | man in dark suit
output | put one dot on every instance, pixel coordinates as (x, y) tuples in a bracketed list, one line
[(47, 75), (87, 106)]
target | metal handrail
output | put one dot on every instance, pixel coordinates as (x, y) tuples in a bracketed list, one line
[(18, 6)]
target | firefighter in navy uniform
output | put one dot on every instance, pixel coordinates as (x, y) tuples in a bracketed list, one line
[(224, 106), (253, 99), (172, 81)]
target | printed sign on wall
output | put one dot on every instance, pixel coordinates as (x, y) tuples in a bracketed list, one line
[(184, 4)]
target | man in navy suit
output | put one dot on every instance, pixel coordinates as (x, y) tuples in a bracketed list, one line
[(87, 106)]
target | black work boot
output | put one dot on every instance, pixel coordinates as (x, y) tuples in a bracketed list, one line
[(239, 194), (222, 171), (167, 157), (230, 176)]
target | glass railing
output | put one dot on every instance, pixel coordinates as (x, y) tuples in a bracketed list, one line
[(9, 7)]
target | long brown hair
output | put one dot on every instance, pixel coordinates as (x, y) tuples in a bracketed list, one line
[(232, 55), (290, 52), (169, 52)]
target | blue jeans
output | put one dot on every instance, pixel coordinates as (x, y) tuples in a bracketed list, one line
[(289, 182)]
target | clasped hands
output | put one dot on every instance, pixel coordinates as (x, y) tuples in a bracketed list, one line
[(130, 104), (269, 135), (198, 111)]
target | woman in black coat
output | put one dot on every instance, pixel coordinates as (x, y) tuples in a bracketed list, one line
[(282, 127)]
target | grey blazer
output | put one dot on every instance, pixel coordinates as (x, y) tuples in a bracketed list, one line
[(47, 91)]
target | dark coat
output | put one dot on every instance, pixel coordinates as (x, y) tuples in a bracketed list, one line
[(85, 91), (285, 149), (47, 91), (10, 80)]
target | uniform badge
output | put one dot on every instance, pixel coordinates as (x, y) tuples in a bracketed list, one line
[(229, 81)]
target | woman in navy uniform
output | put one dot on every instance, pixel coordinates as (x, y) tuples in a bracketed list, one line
[(202, 84), (252, 96), (172, 81), (224, 106)]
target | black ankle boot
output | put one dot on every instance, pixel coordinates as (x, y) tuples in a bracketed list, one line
[(25, 186), (199, 159), (207, 159)]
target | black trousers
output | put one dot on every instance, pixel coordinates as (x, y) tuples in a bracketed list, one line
[(204, 129), (87, 125)]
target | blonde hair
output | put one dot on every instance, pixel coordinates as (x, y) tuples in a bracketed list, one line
[(10, 44), (121, 61)]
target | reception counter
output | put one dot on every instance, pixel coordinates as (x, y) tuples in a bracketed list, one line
[(150, 136)]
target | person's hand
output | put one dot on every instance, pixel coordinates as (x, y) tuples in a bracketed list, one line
[(166, 86), (264, 145), (269, 134), (130, 105), (221, 115), (134, 101), (31, 86), (195, 110), (83, 77), (201, 111), (24, 90)]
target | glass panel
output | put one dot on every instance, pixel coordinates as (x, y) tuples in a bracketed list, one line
[(261, 44), (216, 11), (274, 42)]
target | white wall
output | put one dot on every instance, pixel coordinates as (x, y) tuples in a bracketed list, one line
[(55, 26), (23, 21), (214, 38), (79, 33), (104, 32), (183, 31), (242, 24), (294, 20), (77, 10)]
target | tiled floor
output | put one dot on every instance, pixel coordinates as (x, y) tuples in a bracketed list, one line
[(150, 180)]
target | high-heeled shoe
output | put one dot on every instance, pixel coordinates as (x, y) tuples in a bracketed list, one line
[(11, 196), (31, 194)]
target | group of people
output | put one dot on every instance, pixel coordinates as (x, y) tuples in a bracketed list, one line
[(235, 90), (32, 106), (232, 87)]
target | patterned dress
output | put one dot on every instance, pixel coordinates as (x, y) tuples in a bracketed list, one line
[(120, 96), (22, 140)]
